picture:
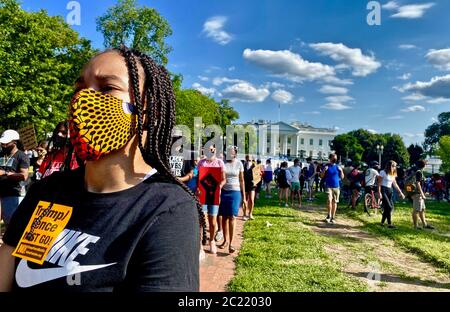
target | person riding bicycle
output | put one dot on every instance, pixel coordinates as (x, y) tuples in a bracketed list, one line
[(370, 179)]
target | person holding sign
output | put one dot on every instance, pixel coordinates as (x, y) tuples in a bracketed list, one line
[(14, 166), (211, 180), (123, 222)]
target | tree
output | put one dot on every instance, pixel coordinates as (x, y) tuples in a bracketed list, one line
[(347, 146), (140, 28), (227, 114), (368, 141), (416, 153), (437, 130), (395, 149), (40, 58), (444, 153)]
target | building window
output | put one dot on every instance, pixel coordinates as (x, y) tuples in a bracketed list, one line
[(268, 139), (311, 142), (268, 150), (302, 141), (289, 140), (330, 142), (289, 152), (311, 154), (320, 142)]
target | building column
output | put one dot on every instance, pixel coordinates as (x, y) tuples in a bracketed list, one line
[(285, 145)]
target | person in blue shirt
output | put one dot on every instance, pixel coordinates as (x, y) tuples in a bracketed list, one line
[(332, 174)]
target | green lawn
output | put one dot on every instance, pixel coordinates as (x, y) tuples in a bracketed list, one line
[(430, 245), (286, 256)]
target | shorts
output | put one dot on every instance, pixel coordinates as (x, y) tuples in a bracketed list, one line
[(418, 203), (310, 183), (295, 186), (212, 210), (333, 194), (230, 201), (9, 206)]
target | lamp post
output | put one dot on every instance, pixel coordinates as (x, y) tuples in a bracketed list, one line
[(380, 149)]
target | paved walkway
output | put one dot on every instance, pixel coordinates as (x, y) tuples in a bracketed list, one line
[(216, 271)]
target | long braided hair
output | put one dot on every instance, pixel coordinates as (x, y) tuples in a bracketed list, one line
[(160, 113)]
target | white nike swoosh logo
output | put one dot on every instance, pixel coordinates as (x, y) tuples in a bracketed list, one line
[(27, 277)]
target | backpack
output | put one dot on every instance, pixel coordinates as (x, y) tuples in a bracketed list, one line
[(353, 176), (281, 178), (411, 183)]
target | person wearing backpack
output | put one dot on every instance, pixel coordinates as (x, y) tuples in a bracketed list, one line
[(414, 185), (283, 178)]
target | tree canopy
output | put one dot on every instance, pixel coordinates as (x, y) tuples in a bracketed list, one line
[(437, 130), (444, 152), (41, 57)]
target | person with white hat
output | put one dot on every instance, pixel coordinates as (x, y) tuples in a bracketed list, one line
[(14, 165)]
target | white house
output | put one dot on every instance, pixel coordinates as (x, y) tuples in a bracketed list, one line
[(295, 140)]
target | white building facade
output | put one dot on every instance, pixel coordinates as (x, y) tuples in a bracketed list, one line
[(289, 141)]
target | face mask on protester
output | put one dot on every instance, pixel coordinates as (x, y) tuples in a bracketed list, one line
[(100, 124), (60, 142), (7, 149)]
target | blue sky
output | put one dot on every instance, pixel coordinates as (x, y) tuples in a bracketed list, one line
[(319, 60)]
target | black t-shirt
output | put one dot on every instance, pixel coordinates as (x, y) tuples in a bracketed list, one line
[(145, 238), (419, 177), (13, 164)]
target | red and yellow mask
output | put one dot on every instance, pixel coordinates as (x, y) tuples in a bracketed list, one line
[(100, 123)]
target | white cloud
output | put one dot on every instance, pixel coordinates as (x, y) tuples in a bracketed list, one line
[(312, 113), (245, 92), (391, 5), (404, 76), (439, 58), (273, 85), (213, 28), (204, 90), (407, 46), (412, 11), (282, 96), (301, 99), (397, 117), (232, 68), (414, 109), (412, 135), (438, 101), (217, 81), (327, 89), (361, 65), (288, 65), (414, 97), (203, 78), (335, 106), (339, 99), (338, 81), (372, 131), (437, 87)]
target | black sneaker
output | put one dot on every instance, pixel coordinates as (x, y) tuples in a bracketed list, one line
[(390, 226), (332, 221), (430, 227)]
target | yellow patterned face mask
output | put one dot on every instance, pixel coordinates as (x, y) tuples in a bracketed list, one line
[(100, 123)]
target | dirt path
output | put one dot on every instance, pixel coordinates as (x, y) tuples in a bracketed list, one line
[(373, 259)]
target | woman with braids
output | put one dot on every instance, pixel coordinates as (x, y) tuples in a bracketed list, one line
[(59, 150), (123, 222)]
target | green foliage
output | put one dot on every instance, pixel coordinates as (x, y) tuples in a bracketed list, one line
[(347, 146), (444, 153), (394, 149), (416, 152), (40, 58), (140, 28), (434, 132)]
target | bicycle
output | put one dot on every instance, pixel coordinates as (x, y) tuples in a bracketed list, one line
[(371, 203)]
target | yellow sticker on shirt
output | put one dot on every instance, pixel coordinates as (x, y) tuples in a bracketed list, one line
[(47, 224)]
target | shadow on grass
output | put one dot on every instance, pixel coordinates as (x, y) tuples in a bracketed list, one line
[(399, 280)]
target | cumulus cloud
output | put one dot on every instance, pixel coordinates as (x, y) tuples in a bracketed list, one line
[(203, 90), (372, 131), (327, 89), (404, 76), (439, 58), (391, 5), (213, 28), (414, 109), (301, 99), (414, 97), (335, 106), (245, 92), (339, 99), (203, 78), (273, 85), (413, 11), (361, 65), (217, 81), (282, 96), (438, 101), (289, 65), (437, 87)]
